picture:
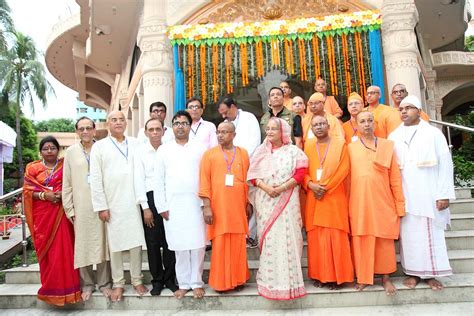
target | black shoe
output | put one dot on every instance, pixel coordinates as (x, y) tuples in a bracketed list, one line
[(156, 291), (172, 287), (252, 243)]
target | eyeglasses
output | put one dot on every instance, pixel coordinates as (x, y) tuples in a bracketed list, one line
[(399, 91), (158, 111), (180, 124), (372, 92), (86, 128), (194, 107), (52, 148), (154, 129), (407, 108)]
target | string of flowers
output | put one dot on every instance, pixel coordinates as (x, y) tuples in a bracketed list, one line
[(346, 64), (203, 73)]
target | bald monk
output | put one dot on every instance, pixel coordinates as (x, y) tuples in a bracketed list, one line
[(327, 217), (400, 92), (355, 105), (223, 189), (298, 106), (316, 107), (330, 104), (387, 119), (375, 206)]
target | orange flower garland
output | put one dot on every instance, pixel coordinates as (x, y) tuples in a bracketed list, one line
[(346, 64), (244, 64), (190, 70), (202, 55), (302, 55), (228, 67), (360, 65), (215, 60), (317, 62), (259, 61)]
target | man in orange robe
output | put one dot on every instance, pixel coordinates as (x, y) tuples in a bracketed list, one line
[(355, 105), (223, 188), (316, 107), (327, 217), (400, 92), (387, 119), (330, 104), (375, 206)]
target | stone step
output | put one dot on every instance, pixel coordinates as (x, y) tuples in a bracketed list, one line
[(462, 206), (463, 193), (462, 261), (460, 239), (458, 288), (462, 221)]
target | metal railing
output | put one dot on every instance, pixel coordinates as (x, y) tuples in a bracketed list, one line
[(454, 126), (22, 216)]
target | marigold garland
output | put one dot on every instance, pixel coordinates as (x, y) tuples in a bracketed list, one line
[(190, 70), (215, 74), (202, 53), (347, 72), (259, 50), (228, 68), (244, 64)]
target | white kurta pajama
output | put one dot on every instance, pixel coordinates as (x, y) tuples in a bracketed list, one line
[(177, 192), (90, 244), (112, 188), (427, 175)]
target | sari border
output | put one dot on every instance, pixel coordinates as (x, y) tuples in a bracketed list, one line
[(61, 300), (282, 295)]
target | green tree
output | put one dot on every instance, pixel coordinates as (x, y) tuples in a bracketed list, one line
[(6, 23), (55, 125), (463, 157), (469, 43), (29, 143), (23, 79)]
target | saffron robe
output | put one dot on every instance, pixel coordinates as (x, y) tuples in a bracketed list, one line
[(228, 231), (375, 207), (327, 220), (331, 106), (387, 119), (350, 130), (335, 127)]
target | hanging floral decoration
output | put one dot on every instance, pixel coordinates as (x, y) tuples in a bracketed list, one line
[(217, 58)]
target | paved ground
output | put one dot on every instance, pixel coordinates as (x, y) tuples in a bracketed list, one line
[(451, 309)]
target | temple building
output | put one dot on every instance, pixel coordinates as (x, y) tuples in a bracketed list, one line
[(125, 55)]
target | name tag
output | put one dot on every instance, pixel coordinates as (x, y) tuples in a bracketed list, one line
[(319, 173), (354, 138), (229, 180)]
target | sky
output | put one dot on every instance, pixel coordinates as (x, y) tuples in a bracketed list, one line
[(26, 15), (36, 19)]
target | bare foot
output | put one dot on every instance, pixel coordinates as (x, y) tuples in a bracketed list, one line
[(317, 283), (334, 286), (107, 291), (117, 294), (387, 284), (86, 295), (198, 292), (411, 282), (434, 284), (179, 294), (140, 289), (360, 286)]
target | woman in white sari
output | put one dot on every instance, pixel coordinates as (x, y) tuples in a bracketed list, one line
[(276, 169)]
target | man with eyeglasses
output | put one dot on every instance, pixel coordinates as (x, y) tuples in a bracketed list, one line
[(316, 107), (400, 92), (113, 198), (180, 206), (201, 131), (223, 178), (162, 265), (376, 204), (327, 211), (158, 111), (90, 243), (386, 118), (427, 174)]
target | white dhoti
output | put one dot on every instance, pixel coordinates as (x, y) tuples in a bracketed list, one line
[(423, 251), (189, 268)]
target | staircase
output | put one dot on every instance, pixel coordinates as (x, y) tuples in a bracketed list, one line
[(22, 284)]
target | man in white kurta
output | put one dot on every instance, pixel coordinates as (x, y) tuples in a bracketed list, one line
[(90, 242), (178, 202), (201, 131), (157, 110), (427, 174), (113, 197)]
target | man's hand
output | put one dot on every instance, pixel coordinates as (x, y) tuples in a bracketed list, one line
[(249, 210), (148, 218), (207, 213), (165, 215), (318, 190), (104, 215), (441, 205)]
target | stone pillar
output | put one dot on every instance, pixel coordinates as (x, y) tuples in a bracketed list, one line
[(399, 18), (157, 56)]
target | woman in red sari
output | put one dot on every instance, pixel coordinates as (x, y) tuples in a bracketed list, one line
[(52, 233)]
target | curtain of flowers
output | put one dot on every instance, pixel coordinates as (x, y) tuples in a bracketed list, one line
[(215, 59)]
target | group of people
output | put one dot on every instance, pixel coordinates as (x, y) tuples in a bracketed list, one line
[(354, 188)]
